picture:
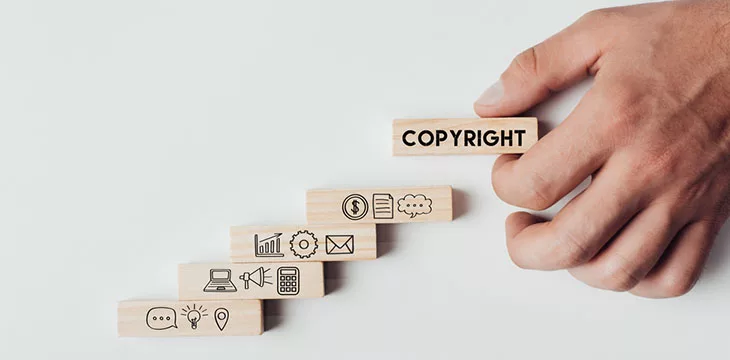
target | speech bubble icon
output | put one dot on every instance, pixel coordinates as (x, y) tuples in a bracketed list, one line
[(414, 205), (161, 318)]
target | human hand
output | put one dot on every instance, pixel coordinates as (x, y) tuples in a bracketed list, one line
[(653, 133)]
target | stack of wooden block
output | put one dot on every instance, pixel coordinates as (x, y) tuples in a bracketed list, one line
[(280, 262), (286, 262)]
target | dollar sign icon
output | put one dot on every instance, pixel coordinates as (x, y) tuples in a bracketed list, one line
[(355, 207)]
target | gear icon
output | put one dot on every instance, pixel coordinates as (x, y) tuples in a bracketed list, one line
[(303, 244)]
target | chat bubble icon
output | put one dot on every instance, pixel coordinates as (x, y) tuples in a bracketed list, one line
[(161, 318), (415, 205)]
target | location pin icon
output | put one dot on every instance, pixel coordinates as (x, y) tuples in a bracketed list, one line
[(221, 318)]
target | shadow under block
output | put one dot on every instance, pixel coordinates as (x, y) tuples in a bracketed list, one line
[(220, 281), (344, 242), (463, 136), (189, 318), (380, 206)]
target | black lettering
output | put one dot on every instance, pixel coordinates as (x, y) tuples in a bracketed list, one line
[(507, 137), (455, 135), (469, 136), (441, 135), (519, 136), (491, 138), (405, 141), (430, 136)]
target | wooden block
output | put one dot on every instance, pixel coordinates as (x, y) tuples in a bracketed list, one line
[(250, 281), (463, 136), (189, 318), (382, 206), (344, 242)]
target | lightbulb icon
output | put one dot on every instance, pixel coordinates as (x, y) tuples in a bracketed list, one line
[(194, 315)]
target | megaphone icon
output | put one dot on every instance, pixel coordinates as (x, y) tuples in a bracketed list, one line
[(257, 277)]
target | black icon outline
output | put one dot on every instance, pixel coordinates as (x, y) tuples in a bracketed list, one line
[(353, 212), (221, 322), (303, 244), (288, 280), (220, 285), (383, 206), (194, 315), (273, 241), (416, 213), (262, 280), (333, 248), (162, 318)]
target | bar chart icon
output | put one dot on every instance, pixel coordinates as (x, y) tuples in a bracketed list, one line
[(268, 247), (382, 206)]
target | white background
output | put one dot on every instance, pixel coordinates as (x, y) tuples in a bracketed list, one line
[(133, 133)]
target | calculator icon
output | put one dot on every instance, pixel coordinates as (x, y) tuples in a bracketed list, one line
[(287, 280)]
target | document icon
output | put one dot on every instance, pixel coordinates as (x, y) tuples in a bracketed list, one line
[(382, 206), (340, 244)]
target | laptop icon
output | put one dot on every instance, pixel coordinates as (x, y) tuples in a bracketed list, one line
[(220, 281)]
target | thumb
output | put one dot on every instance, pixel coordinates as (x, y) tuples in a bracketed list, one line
[(560, 61)]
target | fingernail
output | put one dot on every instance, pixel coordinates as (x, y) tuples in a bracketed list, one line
[(492, 95)]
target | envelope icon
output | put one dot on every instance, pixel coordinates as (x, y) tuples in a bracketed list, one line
[(340, 244)]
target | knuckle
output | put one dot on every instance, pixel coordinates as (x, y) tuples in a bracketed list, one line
[(536, 192), (626, 111), (536, 65), (568, 251), (601, 15), (594, 15), (591, 16), (638, 171), (676, 283), (659, 164), (617, 275), (531, 191), (648, 165), (526, 62)]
